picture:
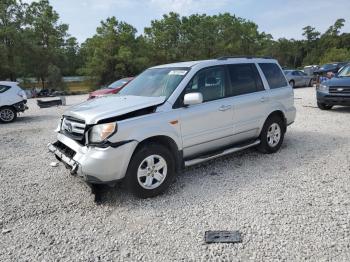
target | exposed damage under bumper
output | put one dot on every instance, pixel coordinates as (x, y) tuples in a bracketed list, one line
[(93, 164)]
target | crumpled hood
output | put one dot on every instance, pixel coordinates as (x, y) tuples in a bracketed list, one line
[(338, 81), (101, 108)]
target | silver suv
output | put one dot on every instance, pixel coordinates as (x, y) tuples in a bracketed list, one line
[(173, 116)]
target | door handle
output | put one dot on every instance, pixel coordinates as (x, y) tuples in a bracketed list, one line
[(264, 99), (225, 108)]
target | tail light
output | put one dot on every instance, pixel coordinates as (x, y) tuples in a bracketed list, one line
[(22, 94)]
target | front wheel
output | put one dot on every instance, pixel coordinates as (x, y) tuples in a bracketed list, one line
[(323, 106), (151, 171), (7, 114), (272, 135)]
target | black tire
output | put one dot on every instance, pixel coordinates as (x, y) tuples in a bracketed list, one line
[(323, 106), (292, 83), (139, 157), (310, 83), (7, 114), (264, 146)]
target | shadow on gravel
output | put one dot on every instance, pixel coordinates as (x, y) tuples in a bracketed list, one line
[(35, 119), (340, 109), (228, 173)]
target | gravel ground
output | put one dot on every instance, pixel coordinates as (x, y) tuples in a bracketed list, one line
[(293, 205)]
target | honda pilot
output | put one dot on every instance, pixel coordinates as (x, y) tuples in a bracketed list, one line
[(174, 116)]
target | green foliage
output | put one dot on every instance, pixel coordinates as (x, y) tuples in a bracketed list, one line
[(335, 55), (114, 52), (54, 78), (33, 43), (11, 23), (31, 38)]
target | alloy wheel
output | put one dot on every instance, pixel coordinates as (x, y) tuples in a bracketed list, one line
[(7, 115), (152, 172), (274, 135)]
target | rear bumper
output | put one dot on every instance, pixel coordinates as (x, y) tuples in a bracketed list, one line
[(331, 99), (94, 165), (21, 106), (290, 115)]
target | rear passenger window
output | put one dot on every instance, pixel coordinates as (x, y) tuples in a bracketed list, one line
[(4, 88), (273, 74), (245, 79)]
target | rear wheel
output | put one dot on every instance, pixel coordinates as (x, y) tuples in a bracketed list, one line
[(310, 83), (151, 171), (7, 114), (292, 83), (324, 106), (272, 135)]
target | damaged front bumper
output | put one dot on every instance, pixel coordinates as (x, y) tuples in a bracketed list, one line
[(93, 164)]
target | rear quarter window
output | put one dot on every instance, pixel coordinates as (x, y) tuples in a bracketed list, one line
[(273, 75), (4, 88)]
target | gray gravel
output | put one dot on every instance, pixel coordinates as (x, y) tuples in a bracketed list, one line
[(293, 205)]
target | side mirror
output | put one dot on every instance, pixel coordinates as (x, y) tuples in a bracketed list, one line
[(193, 99)]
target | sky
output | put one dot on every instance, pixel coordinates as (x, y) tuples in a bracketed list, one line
[(281, 18)]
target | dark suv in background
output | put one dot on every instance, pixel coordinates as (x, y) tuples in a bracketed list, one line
[(331, 67), (335, 91)]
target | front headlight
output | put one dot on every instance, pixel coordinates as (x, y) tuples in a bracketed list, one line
[(323, 88), (98, 133)]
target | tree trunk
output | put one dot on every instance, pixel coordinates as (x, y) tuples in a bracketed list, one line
[(42, 82)]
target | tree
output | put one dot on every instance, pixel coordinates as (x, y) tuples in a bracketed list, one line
[(164, 38), (71, 57), (334, 30), (310, 33), (11, 22), (113, 52), (45, 37), (336, 55), (54, 78)]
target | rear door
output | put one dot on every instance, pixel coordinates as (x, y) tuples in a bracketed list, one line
[(298, 80), (305, 77), (207, 126), (280, 93), (249, 99)]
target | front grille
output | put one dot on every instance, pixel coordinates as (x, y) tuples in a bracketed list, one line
[(67, 151), (345, 90), (73, 128)]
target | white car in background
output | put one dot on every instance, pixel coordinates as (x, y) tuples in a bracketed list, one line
[(12, 101)]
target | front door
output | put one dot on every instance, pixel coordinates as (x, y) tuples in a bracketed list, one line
[(207, 126)]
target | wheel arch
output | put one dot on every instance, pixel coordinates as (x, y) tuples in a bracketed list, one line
[(8, 106), (280, 114), (167, 142)]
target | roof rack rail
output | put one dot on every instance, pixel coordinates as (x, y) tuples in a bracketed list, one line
[(243, 56)]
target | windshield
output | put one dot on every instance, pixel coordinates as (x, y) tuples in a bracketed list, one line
[(155, 82), (118, 83), (345, 72), (326, 66), (287, 71)]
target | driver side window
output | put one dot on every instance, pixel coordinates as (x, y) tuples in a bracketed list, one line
[(210, 83)]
